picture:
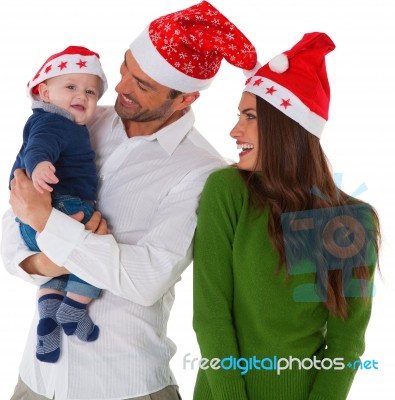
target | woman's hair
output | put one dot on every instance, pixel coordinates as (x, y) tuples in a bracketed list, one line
[(291, 163)]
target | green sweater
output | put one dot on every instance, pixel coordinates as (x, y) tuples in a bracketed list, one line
[(243, 310)]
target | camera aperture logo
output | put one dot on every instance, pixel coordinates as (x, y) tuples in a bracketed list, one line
[(276, 364), (334, 238)]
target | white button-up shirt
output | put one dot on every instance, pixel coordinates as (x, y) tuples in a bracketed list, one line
[(149, 192)]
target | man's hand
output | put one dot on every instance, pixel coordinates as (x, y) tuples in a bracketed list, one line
[(30, 206), (43, 175), (97, 224)]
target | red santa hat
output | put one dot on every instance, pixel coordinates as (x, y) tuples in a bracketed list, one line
[(296, 82), (72, 60), (184, 50)]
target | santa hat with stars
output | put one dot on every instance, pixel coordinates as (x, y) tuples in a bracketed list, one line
[(183, 50), (296, 82), (72, 60)]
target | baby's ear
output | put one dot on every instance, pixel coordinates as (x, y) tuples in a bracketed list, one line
[(43, 92)]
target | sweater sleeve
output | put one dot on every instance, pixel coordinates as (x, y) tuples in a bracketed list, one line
[(47, 139), (213, 285), (346, 341)]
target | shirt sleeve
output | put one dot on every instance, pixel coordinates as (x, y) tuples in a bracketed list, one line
[(141, 272), (14, 250), (213, 287)]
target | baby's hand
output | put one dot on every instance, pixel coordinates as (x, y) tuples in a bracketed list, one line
[(43, 175)]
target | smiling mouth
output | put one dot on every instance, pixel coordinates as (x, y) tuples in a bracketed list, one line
[(127, 101), (78, 107), (245, 148)]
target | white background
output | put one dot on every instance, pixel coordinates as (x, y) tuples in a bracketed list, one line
[(358, 138)]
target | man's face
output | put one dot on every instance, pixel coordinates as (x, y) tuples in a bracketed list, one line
[(140, 98)]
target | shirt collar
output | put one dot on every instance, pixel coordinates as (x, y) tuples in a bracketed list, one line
[(171, 136)]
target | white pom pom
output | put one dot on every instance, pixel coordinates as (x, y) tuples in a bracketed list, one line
[(251, 72), (279, 63)]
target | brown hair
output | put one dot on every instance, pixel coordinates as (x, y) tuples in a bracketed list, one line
[(291, 162)]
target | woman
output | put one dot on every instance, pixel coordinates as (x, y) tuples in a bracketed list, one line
[(283, 260)]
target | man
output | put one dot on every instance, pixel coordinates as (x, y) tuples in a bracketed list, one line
[(152, 165)]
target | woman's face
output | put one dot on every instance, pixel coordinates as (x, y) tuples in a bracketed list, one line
[(246, 133)]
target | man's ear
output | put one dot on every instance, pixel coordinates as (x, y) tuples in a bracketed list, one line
[(43, 91), (186, 99)]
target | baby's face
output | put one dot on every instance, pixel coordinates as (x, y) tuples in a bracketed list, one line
[(76, 93)]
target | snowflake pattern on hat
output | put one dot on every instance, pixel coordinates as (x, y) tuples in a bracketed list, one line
[(195, 40)]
